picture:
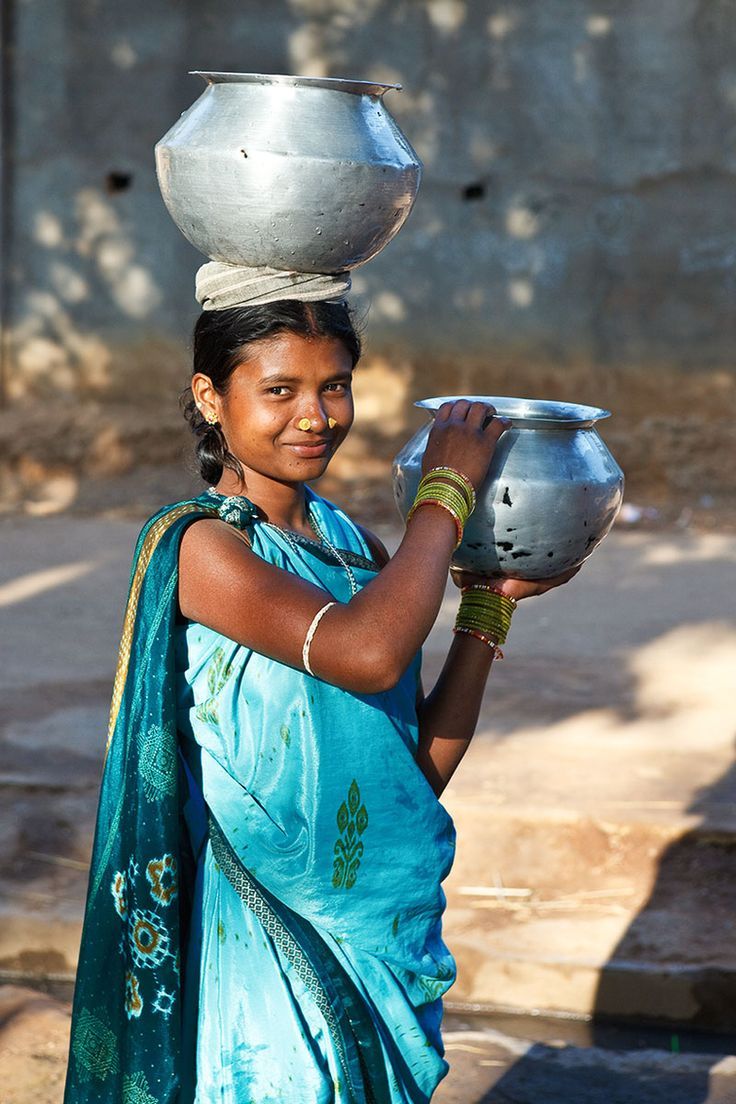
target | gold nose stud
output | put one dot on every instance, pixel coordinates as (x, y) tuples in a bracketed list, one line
[(306, 423)]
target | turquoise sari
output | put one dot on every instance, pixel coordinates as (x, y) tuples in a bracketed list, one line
[(263, 917)]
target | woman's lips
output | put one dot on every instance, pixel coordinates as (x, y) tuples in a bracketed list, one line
[(311, 451)]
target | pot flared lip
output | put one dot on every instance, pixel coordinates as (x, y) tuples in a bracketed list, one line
[(530, 413), (335, 84)]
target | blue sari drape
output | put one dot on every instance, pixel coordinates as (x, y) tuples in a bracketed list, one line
[(307, 804)]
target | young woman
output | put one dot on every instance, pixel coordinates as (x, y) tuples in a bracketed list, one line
[(264, 913)]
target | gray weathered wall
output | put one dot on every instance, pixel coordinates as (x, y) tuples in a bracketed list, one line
[(575, 230)]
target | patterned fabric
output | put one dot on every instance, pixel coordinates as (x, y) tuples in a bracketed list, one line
[(267, 855)]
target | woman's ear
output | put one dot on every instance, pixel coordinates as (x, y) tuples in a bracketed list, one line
[(204, 393)]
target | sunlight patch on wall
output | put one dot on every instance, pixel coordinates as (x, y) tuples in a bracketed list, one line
[(521, 222), (47, 230), (598, 25), (520, 292), (501, 24), (123, 55), (446, 15)]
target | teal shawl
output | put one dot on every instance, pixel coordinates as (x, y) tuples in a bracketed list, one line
[(139, 900)]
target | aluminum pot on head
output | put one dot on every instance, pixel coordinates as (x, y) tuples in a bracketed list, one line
[(551, 494), (299, 173)]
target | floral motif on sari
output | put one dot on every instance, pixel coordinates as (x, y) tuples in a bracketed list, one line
[(133, 999), (161, 874), (119, 892), (149, 940), (352, 820)]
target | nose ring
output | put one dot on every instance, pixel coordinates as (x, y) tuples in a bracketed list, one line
[(306, 423)]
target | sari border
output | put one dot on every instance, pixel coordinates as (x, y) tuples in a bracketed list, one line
[(148, 547), (358, 1056)]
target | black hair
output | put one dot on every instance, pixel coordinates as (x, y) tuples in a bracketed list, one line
[(221, 340)]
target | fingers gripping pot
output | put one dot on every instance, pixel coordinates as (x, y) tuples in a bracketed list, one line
[(551, 494)]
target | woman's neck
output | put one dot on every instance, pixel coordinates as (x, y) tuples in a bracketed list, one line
[(284, 504)]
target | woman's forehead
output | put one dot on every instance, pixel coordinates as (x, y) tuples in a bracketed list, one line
[(296, 354)]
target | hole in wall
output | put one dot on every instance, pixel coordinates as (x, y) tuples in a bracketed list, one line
[(117, 181), (474, 191)]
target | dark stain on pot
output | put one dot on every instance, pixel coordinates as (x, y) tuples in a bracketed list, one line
[(506, 545), (521, 552), (512, 529), (475, 544), (507, 498), (550, 553), (590, 540)]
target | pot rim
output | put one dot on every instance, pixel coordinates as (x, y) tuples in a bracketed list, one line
[(335, 84), (529, 413)]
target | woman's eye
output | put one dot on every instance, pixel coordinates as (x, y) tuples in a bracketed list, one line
[(342, 385), (281, 387)]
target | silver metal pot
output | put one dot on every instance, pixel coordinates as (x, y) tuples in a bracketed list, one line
[(551, 494), (302, 173)]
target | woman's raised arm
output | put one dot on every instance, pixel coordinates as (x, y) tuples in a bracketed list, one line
[(363, 645)]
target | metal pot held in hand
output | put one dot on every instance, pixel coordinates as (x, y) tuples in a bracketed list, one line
[(551, 494), (308, 174)]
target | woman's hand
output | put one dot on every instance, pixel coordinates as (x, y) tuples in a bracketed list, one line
[(514, 588), (464, 436)]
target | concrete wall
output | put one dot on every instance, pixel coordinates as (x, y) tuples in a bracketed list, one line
[(575, 232)]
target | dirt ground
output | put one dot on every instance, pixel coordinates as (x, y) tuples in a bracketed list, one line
[(658, 689)]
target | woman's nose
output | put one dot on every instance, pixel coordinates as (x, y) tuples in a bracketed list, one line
[(313, 417)]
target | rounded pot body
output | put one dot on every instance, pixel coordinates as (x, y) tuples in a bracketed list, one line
[(296, 173), (551, 494)]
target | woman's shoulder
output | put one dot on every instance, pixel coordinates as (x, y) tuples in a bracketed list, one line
[(235, 510)]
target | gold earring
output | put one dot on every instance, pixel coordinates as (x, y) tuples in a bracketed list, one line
[(332, 422), (304, 423), (211, 418)]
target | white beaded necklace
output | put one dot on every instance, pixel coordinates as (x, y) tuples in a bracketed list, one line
[(327, 543)]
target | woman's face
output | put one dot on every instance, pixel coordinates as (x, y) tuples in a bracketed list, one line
[(285, 379)]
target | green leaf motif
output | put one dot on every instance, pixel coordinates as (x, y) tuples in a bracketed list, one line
[(218, 672), (352, 820)]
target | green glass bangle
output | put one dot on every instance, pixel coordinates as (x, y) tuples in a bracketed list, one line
[(438, 487), (459, 479), (444, 494)]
